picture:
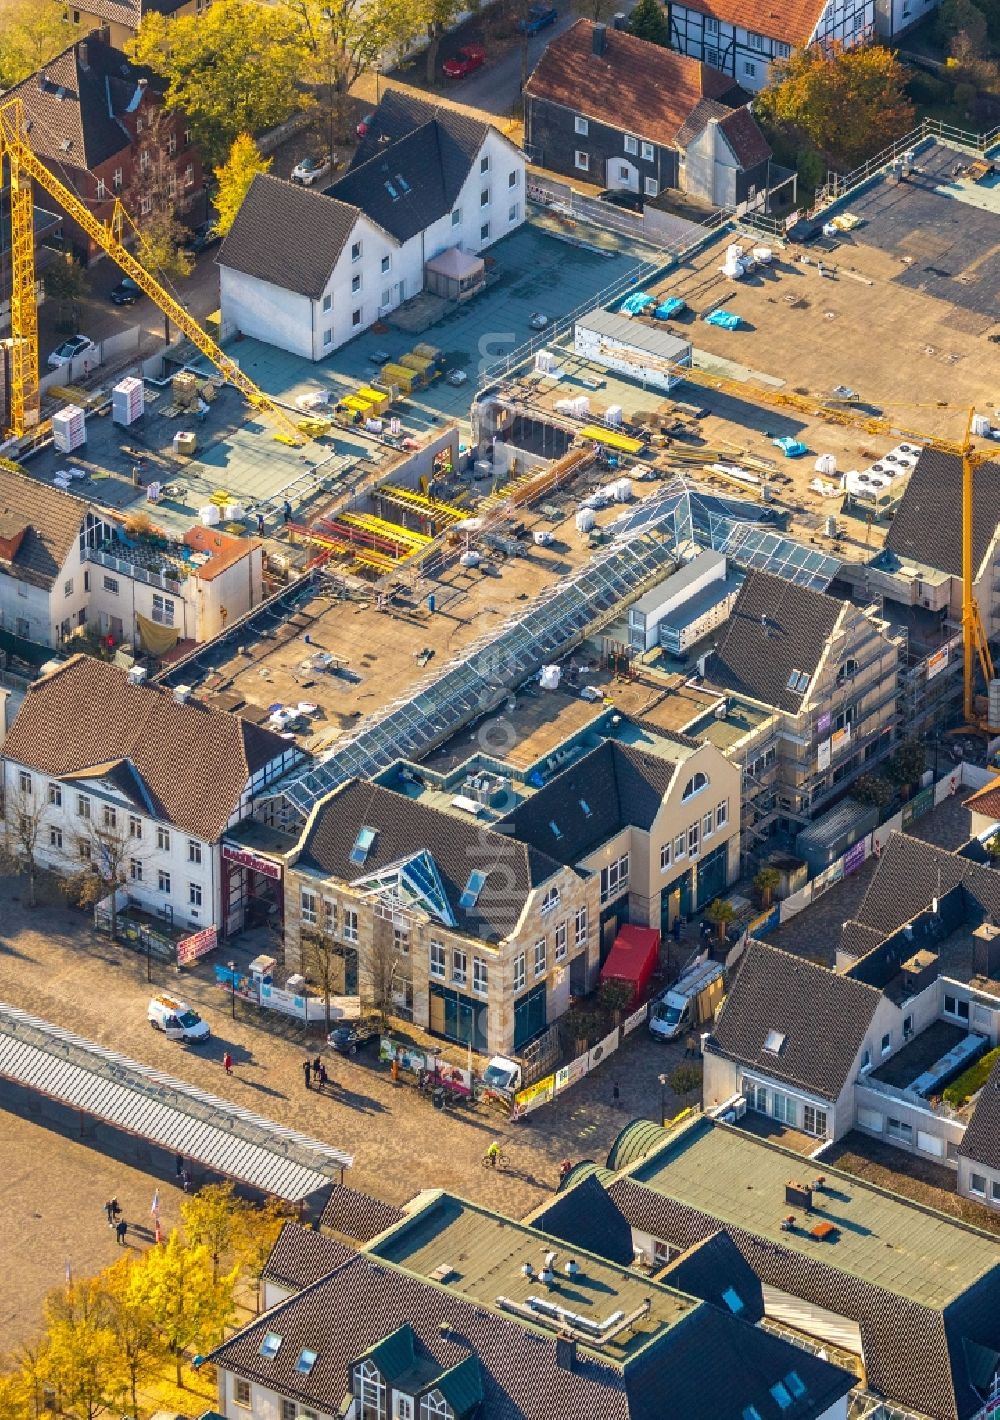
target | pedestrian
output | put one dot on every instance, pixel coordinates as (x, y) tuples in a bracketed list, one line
[(120, 1232), (227, 1061), (307, 1071), (116, 1211), (109, 1209), (286, 511), (616, 1095), (260, 524), (323, 1076), (395, 1069), (185, 1180)]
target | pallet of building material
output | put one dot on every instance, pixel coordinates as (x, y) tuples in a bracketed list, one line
[(184, 387), (428, 352), (208, 391), (420, 363), (400, 375)]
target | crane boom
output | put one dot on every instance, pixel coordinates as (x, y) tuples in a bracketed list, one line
[(24, 165)]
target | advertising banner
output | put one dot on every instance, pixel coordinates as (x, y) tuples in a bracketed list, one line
[(532, 1096), (855, 857), (253, 861), (603, 1049), (937, 663), (191, 948), (635, 1019), (823, 755), (569, 1074)]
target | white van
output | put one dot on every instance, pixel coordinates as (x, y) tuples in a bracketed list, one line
[(176, 1020), (690, 1002)]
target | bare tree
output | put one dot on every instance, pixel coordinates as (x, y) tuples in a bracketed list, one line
[(115, 853), (323, 964), (384, 968), (25, 813)]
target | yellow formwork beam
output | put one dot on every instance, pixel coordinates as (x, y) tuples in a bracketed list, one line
[(380, 527), (427, 507)]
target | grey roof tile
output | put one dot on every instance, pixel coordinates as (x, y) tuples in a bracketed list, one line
[(925, 528), (48, 522), (357, 1215), (712, 1268), (404, 826), (981, 1143), (776, 627), (822, 1016), (585, 1216), (316, 228), (611, 787)]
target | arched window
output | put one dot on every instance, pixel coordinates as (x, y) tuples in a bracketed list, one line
[(695, 785), (369, 1387), (433, 1406)]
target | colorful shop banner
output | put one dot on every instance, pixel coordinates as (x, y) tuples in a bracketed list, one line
[(191, 948)]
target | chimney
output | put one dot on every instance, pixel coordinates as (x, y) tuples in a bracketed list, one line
[(799, 1194), (565, 1353), (83, 55), (600, 39), (620, 20)]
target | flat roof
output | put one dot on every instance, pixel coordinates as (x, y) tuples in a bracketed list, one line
[(481, 1255), (888, 1241), (661, 342)]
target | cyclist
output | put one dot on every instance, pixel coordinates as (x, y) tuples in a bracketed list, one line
[(492, 1156)]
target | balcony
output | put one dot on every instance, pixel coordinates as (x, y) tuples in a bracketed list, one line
[(156, 566)]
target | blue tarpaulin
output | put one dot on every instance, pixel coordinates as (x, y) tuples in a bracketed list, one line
[(635, 304), (791, 448), (726, 319), (670, 307)]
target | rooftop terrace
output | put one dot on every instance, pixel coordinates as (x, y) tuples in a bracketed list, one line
[(892, 1243)]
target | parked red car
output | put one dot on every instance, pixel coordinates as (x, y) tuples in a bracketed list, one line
[(468, 59)]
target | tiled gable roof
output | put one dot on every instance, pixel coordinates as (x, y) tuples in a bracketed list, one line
[(924, 527), (776, 627), (792, 23), (357, 1215), (321, 226), (715, 1270), (610, 788), (584, 1216), (301, 1257), (48, 522), (193, 762), (981, 1142), (401, 113), (72, 104), (822, 1017), (986, 801), (745, 138), (405, 826), (635, 86)]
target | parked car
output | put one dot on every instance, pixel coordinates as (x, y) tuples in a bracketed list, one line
[(364, 125), (468, 59), (350, 1036), (201, 239), (617, 197), (310, 170), (126, 293), (539, 17), (70, 349), (176, 1020)]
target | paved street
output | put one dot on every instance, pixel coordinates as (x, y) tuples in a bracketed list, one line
[(52, 965)]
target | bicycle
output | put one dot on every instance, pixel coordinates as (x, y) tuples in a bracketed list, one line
[(497, 1162)]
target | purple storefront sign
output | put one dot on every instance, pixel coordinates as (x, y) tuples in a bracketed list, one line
[(854, 858)]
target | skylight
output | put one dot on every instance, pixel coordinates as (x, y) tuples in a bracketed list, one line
[(270, 1346), (775, 1042), (392, 192), (781, 1396), (751, 1413), (363, 844), (798, 681), (555, 828), (473, 888), (403, 184), (586, 808), (307, 1359), (795, 1384), (733, 1300)]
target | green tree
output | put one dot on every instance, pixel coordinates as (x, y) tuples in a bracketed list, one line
[(31, 32), (649, 21), (874, 790), (437, 15), (82, 1358), (907, 764), (234, 179), (188, 1307), (721, 913), (848, 103), (955, 17), (685, 1077), (765, 882), (234, 69), (136, 1334), (66, 283), (614, 995)]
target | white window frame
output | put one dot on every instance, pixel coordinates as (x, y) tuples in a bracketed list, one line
[(722, 813), (666, 856), (581, 926), (163, 609), (520, 971), (242, 1393), (195, 895), (459, 966), (135, 826), (560, 943), (194, 851), (55, 795), (480, 976), (307, 906), (163, 838), (436, 963), (650, 187), (55, 838), (350, 924), (581, 125), (163, 882), (647, 152), (582, 161), (541, 956), (631, 145)]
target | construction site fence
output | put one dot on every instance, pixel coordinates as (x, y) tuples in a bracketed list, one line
[(928, 130), (963, 776), (109, 352)]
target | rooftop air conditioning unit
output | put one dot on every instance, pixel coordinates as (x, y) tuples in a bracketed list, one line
[(136, 675), (182, 694)]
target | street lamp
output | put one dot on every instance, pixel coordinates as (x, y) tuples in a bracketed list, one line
[(232, 983), (663, 1102)]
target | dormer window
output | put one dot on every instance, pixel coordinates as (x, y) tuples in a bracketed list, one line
[(369, 1391), (551, 900), (695, 785)]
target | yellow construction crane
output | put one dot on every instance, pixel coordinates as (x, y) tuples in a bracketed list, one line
[(974, 642), (24, 166)]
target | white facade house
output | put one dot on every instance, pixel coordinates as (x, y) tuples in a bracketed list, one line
[(719, 33), (141, 791), (307, 271), (45, 535)]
